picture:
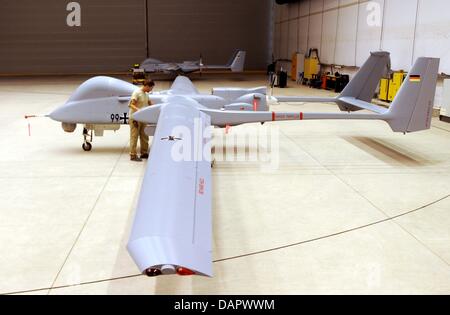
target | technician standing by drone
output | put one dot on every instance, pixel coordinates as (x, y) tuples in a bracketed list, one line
[(139, 100)]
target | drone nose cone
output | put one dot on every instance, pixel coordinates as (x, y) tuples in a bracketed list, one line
[(60, 114)]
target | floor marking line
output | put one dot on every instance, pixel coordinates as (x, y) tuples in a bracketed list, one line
[(75, 285), (334, 234), (87, 220)]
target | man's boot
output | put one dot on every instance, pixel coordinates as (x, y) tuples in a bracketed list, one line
[(135, 158)]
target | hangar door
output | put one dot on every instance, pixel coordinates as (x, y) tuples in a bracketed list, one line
[(48, 36), (182, 30)]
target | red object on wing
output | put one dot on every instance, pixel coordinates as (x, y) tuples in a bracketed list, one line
[(184, 272)]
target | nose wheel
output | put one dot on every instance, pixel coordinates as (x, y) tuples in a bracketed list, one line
[(88, 136), (87, 146)]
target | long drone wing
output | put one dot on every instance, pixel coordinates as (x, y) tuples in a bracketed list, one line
[(172, 227)]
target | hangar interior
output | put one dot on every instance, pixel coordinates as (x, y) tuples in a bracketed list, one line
[(350, 208)]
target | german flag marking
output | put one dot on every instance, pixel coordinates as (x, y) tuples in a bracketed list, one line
[(414, 78)]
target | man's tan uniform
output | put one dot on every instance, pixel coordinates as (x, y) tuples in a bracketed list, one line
[(136, 128)]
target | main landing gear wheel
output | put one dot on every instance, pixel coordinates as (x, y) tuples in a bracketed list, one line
[(87, 146)]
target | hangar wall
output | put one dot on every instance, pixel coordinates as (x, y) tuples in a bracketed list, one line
[(345, 31), (35, 37)]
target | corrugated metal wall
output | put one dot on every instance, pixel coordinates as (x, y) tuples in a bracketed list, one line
[(345, 31), (35, 38)]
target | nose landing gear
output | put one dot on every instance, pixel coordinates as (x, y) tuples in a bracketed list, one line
[(89, 130), (88, 136)]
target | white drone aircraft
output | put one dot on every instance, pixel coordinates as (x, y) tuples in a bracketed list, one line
[(236, 64), (172, 233)]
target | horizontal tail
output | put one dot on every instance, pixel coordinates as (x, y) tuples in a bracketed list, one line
[(366, 80)]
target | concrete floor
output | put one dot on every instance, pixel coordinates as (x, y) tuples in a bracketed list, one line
[(353, 208)]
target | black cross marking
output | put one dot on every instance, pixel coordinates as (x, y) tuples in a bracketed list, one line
[(171, 138), (125, 118)]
